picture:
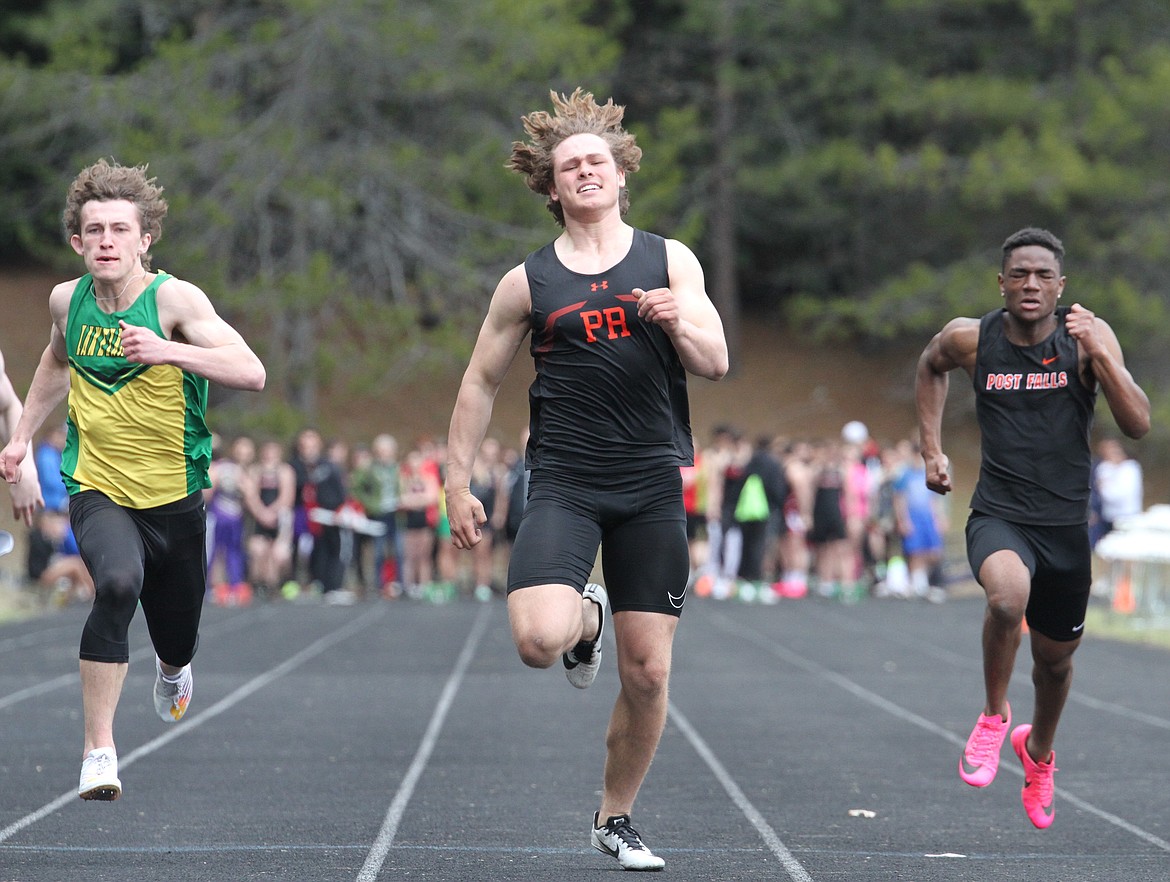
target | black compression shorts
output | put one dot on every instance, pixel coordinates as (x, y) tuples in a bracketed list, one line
[(638, 522), (156, 556), (1059, 559)]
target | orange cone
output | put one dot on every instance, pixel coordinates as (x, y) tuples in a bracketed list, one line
[(1123, 601), (704, 585)]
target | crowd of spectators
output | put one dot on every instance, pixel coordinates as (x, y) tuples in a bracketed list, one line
[(767, 518), (843, 518), (54, 563), (342, 522)]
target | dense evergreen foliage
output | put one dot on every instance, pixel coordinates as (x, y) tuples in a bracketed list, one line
[(336, 166)]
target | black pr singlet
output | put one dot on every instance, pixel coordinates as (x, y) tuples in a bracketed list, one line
[(1035, 416), (610, 391)]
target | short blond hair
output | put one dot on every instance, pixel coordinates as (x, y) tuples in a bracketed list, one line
[(577, 114)]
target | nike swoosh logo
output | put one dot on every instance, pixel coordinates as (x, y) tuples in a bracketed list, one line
[(1048, 361), (1047, 809), (1079, 627), (677, 602)]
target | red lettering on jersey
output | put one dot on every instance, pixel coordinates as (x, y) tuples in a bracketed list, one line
[(1004, 382), (1036, 381), (615, 318), (592, 319), (1050, 380)]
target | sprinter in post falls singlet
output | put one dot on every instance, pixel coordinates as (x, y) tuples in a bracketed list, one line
[(1036, 368)]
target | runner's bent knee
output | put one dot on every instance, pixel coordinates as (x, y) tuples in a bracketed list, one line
[(546, 620), (104, 637)]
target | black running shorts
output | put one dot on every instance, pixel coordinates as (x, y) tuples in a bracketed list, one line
[(639, 523), (154, 556), (1059, 559)]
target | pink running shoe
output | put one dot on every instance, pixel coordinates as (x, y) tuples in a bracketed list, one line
[(1037, 795), (980, 759)]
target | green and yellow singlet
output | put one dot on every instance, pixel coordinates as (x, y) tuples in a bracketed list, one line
[(136, 432)]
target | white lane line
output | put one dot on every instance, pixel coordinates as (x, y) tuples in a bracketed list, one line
[(1118, 710), (190, 725), (908, 716), (385, 838), (792, 866), (73, 679), (47, 686), (510, 850), (34, 638), (965, 662)]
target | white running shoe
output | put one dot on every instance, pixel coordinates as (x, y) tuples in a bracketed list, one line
[(171, 699), (99, 775), (583, 660), (619, 840)]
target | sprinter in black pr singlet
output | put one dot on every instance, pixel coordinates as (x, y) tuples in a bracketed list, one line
[(600, 365), (617, 318), (1036, 369)]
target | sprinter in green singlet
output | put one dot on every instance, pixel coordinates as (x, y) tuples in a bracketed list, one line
[(133, 350)]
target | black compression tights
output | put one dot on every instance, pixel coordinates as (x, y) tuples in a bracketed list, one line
[(152, 556)]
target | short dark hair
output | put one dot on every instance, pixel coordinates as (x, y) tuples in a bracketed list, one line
[(1033, 236)]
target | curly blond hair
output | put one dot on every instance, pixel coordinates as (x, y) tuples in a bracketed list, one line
[(103, 182), (577, 114)]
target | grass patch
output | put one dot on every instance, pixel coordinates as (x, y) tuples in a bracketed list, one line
[(17, 604), (1104, 622)]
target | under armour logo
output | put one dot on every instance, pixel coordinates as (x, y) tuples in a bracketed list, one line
[(603, 285)]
